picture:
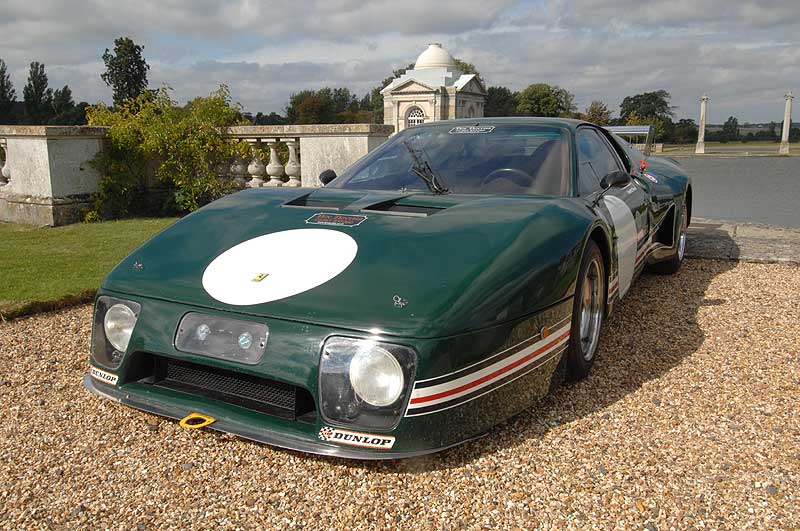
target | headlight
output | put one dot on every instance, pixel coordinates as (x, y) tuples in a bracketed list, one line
[(114, 320), (376, 376), (365, 383), (118, 325)]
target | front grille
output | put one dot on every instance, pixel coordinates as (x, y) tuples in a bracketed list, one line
[(245, 390)]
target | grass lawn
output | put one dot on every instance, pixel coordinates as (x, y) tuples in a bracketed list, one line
[(49, 267), (756, 146)]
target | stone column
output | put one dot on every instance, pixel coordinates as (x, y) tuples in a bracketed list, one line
[(787, 124), (238, 170), (701, 133)]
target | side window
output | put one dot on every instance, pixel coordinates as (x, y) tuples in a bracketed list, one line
[(595, 160)]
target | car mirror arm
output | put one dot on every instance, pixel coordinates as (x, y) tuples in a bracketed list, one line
[(612, 180)]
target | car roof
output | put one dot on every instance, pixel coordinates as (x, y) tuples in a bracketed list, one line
[(565, 123)]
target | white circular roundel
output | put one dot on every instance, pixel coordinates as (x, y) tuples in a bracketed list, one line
[(278, 265)]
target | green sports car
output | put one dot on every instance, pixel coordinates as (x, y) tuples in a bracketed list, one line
[(441, 284)]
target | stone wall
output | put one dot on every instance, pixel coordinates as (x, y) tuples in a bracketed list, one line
[(49, 178), (46, 178)]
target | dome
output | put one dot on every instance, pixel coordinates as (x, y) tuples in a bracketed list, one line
[(434, 57)]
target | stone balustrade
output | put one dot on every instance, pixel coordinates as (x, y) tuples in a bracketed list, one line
[(308, 150), (46, 178)]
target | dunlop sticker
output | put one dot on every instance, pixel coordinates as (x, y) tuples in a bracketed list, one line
[(355, 438), (103, 376)]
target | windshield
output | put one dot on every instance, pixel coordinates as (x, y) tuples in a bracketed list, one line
[(467, 159)]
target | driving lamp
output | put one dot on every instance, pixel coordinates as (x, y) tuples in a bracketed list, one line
[(222, 337)]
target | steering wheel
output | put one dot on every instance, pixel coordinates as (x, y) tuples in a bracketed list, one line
[(518, 177)]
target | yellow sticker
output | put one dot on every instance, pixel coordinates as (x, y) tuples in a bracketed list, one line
[(259, 277)]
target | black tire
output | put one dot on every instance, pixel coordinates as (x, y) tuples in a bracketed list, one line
[(581, 353), (671, 265)]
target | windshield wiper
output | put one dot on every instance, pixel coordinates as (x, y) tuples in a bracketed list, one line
[(423, 169)]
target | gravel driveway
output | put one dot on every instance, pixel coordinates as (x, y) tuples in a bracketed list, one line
[(689, 421)]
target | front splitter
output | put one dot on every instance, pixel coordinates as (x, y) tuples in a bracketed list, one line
[(247, 432)]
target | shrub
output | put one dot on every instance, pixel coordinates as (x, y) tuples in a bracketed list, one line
[(152, 138)]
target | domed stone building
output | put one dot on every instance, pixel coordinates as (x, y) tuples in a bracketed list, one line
[(435, 89)]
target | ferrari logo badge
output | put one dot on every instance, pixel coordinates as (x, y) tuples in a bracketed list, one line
[(259, 277)]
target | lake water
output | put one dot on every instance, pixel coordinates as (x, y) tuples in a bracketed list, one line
[(750, 189)]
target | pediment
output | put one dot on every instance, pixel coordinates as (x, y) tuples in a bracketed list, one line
[(473, 86), (412, 85)]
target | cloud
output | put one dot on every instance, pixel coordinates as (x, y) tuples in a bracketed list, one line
[(744, 54)]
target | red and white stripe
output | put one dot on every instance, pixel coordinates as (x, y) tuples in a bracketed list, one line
[(644, 252), (613, 288), (489, 375)]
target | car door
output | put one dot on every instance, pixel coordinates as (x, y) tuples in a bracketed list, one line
[(625, 209)]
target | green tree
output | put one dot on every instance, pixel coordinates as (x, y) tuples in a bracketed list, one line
[(500, 101), (126, 70), (647, 104), (312, 110), (660, 128), (38, 97), (272, 118), (541, 99), (597, 112), (684, 132), (62, 102), (730, 130), (325, 106), (185, 146), (467, 68), (772, 133), (8, 96)]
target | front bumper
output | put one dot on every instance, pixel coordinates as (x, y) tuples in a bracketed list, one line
[(178, 408), (292, 358)]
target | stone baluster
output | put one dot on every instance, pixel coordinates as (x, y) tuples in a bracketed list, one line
[(222, 169), (5, 170), (239, 170), (256, 168), (293, 164), (274, 168)]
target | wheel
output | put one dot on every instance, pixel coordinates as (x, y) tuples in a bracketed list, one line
[(672, 264), (588, 309)]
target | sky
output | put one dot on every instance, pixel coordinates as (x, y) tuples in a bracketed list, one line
[(744, 54)]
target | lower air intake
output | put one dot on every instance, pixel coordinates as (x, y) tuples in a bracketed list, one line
[(251, 392)]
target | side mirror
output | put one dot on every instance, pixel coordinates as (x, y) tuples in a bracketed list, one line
[(615, 179), (327, 176)]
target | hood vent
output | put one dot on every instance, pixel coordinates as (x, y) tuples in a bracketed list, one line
[(305, 201), (398, 209)]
